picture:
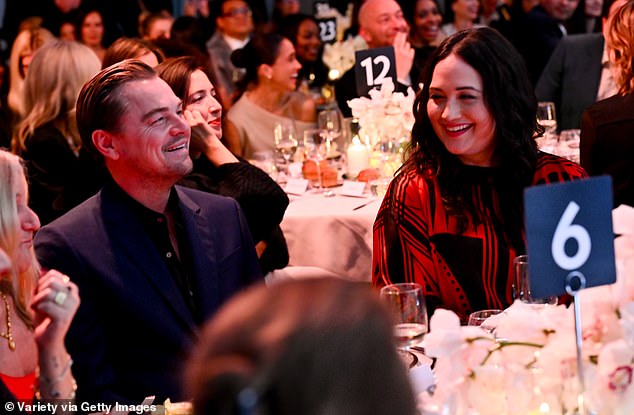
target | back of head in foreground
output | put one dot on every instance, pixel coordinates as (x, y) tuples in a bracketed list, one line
[(306, 347)]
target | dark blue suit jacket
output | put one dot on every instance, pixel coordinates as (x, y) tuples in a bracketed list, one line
[(571, 78), (133, 329)]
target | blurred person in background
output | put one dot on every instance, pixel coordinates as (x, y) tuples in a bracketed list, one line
[(90, 32), (24, 46), (607, 126), (132, 48), (460, 15), (425, 34), (47, 137), (156, 26), (587, 17), (234, 26), (578, 74), (331, 331)]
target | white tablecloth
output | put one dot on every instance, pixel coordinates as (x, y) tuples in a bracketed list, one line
[(326, 232)]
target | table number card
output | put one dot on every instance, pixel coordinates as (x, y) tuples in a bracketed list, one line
[(327, 29), (352, 188), (296, 186), (372, 66), (569, 235)]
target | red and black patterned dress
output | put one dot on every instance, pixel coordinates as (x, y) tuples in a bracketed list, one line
[(416, 240)]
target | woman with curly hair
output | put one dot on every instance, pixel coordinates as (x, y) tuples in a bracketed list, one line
[(452, 219), (607, 126)]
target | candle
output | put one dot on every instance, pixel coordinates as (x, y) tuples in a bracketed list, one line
[(358, 157)]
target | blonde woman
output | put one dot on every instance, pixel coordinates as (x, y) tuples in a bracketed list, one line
[(607, 126), (47, 137), (35, 312), (24, 46)]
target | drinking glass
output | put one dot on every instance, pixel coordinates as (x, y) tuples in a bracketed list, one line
[(569, 141), (316, 149), (285, 140), (478, 318), (521, 285), (546, 117), (329, 120), (408, 306)]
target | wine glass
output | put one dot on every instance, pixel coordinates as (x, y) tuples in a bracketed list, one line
[(329, 120), (316, 149), (547, 119), (285, 140), (521, 284), (407, 304)]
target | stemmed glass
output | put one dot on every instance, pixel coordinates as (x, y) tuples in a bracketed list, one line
[(407, 304), (547, 119), (316, 149), (521, 284), (329, 120), (285, 140)]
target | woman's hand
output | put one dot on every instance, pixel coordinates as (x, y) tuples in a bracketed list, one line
[(55, 302), (205, 140)]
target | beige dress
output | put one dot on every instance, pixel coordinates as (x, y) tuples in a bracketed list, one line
[(255, 126)]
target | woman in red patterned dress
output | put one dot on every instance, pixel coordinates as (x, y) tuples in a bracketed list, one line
[(452, 219)]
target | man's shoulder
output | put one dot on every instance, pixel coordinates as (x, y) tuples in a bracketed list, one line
[(574, 42), (216, 41)]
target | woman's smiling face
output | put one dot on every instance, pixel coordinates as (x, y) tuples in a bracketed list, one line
[(458, 113)]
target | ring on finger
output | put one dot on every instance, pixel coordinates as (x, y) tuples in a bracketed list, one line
[(60, 298)]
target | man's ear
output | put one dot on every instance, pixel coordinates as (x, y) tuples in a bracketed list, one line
[(104, 143), (365, 35)]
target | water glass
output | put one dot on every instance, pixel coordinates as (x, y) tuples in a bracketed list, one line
[(521, 284), (285, 139), (478, 318), (407, 304)]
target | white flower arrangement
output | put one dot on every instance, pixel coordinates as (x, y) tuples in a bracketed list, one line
[(386, 115), (339, 56), (529, 366)]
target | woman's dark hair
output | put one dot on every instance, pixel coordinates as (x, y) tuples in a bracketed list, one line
[(509, 97), (79, 22), (177, 73), (130, 48), (187, 29), (289, 25), (263, 48), (332, 331)]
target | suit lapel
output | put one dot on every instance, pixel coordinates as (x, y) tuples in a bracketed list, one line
[(127, 232), (201, 236)]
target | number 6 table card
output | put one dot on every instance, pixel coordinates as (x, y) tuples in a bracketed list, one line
[(569, 233)]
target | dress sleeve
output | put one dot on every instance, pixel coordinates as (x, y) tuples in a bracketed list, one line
[(402, 250)]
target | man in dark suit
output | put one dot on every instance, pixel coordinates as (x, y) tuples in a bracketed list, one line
[(152, 260), (578, 73), (540, 30), (571, 78)]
